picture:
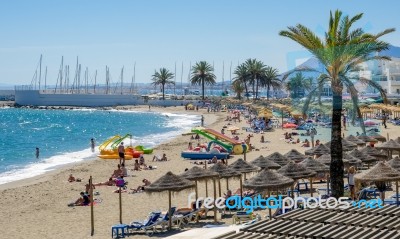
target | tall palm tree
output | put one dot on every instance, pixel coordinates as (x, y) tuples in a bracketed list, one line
[(163, 77), (256, 70), (342, 50), (298, 83), (202, 74), (241, 77), (270, 79), (238, 88)]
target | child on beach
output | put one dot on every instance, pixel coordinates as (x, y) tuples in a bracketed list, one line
[(83, 200)]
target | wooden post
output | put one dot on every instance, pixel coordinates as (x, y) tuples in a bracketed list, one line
[(311, 188), (206, 188), (397, 193), (269, 204), (219, 186), (120, 205), (215, 197), (227, 185), (241, 186), (196, 190), (91, 205), (169, 210)]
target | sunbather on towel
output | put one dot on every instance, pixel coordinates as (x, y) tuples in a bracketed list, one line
[(141, 188), (110, 182)]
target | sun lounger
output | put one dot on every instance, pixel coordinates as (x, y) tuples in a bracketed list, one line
[(242, 216), (148, 225), (163, 221)]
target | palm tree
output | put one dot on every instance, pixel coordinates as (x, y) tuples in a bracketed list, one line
[(256, 71), (342, 50), (241, 77), (238, 88), (162, 77), (202, 73), (297, 84), (270, 79)]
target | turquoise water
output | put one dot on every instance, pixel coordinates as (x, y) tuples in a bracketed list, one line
[(63, 136)]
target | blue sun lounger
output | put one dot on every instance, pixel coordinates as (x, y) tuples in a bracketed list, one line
[(148, 225)]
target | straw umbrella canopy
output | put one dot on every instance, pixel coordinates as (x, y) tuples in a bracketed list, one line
[(367, 139), (377, 137), (315, 166), (395, 163), (263, 162), (380, 174), (268, 180), (373, 152), (243, 167), (365, 158), (355, 140), (326, 159), (352, 160), (295, 155), (346, 145), (171, 183), (389, 146), (225, 172), (319, 150), (397, 140), (296, 171), (278, 158)]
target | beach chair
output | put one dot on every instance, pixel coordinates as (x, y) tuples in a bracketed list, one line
[(244, 215), (148, 225), (164, 219)]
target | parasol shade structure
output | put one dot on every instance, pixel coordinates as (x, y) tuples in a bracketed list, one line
[(295, 155), (296, 171), (319, 150), (389, 146), (268, 180), (346, 145), (372, 151), (263, 163), (377, 136), (352, 160), (354, 139), (225, 172), (278, 158), (395, 163), (171, 183), (289, 126), (367, 139), (381, 172), (326, 159), (243, 167), (365, 158), (315, 165)]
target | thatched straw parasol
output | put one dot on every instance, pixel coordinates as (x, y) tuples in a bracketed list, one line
[(319, 150), (278, 158), (373, 152), (326, 159), (377, 137), (352, 160), (355, 140), (296, 171), (263, 162), (379, 174), (171, 183), (365, 158), (389, 146), (268, 180), (346, 145), (295, 155), (397, 140), (395, 163), (243, 167), (367, 139), (315, 166), (224, 172)]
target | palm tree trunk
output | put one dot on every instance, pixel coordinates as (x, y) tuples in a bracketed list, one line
[(247, 92), (163, 95), (256, 88), (336, 167), (202, 87), (268, 88)]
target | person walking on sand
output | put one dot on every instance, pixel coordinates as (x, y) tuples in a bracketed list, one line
[(384, 121), (313, 132), (121, 153), (92, 144), (37, 152), (202, 121)]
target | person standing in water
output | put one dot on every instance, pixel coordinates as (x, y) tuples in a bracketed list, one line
[(121, 153), (37, 152), (92, 144)]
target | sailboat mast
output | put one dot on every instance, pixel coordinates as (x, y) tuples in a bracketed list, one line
[(40, 70), (175, 78), (132, 82), (95, 82), (223, 72), (182, 80), (122, 79), (45, 79), (230, 74)]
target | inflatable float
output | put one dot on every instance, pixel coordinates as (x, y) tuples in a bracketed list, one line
[(145, 150)]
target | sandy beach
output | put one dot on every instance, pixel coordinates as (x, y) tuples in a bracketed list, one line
[(37, 207)]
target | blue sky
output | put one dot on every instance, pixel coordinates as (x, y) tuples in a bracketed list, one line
[(159, 33)]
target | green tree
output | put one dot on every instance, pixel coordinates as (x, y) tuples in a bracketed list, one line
[(238, 88), (241, 77), (256, 71), (298, 84), (270, 79), (202, 74), (342, 50), (163, 77)]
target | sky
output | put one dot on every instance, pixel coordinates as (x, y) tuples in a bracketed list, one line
[(150, 34)]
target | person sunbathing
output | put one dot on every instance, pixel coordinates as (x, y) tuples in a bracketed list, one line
[(164, 157), (110, 182), (87, 187), (71, 178), (118, 172), (141, 188), (136, 165), (83, 200)]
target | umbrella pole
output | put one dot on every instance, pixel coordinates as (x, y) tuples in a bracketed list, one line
[(169, 211), (120, 205), (269, 204), (241, 186), (397, 193), (292, 188), (91, 205), (327, 184), (206, 188), (196, 190), (227, 185), (215, 197), (219, 187), (311, 187)]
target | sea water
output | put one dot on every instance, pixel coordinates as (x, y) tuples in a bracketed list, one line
[(63, 136)]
